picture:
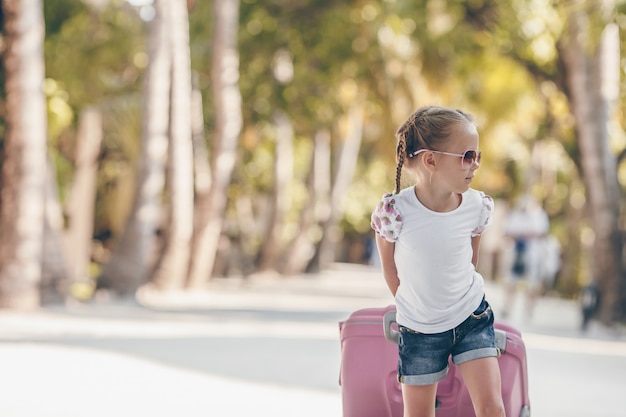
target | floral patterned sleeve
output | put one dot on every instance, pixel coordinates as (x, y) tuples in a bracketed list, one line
[(485, 215), (386, 220)]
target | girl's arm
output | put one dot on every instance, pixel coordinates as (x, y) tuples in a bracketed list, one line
[(475, 248), (390, 272)]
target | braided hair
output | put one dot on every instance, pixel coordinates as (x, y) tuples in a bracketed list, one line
[(427, 128)]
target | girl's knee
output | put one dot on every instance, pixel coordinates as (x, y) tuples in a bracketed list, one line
[(491, 409)]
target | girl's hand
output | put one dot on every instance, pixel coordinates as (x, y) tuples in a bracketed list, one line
[(390, 272)]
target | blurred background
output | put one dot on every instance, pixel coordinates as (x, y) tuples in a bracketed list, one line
[(186, 190), (159, 145)]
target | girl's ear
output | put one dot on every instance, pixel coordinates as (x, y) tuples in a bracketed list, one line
[(430, 161)]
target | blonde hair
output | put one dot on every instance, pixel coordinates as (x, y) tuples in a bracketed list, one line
[(427, 128)]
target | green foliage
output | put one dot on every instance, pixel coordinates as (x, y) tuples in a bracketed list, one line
[(96, 54), (118, 162), (275, 36), (57, 13)]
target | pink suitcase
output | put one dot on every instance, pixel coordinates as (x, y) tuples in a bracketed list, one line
[(369, 363)]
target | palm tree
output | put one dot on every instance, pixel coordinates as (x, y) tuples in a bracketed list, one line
[(24, 165), (131, 261), (593, 83), (171, 271), (228, 124)]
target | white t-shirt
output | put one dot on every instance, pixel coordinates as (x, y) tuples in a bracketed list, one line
[(439, 286)]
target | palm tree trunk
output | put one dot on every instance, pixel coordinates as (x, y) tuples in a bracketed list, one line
[(273, 245), (55, 263), (24, 164), (301, 249), (325, 252), (80, 206), (131, 262), (171, 272), (586, 78), (228, 122)]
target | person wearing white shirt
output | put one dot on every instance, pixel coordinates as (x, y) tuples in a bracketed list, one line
[(527, 226), (428, 237)]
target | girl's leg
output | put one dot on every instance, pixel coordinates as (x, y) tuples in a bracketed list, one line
[(419, 400), (482, 378)]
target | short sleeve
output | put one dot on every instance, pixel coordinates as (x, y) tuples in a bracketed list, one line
[(486, 213), (386, 220)]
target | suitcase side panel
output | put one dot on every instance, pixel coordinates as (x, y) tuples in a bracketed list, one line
[(368, 367), (514, 371)]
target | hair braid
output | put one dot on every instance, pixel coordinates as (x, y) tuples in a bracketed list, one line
[(400, 154)]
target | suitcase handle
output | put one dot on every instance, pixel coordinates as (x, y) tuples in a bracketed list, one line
[(392, 334), (389, 321)]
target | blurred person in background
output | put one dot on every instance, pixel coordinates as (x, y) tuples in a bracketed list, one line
[(527, 226)]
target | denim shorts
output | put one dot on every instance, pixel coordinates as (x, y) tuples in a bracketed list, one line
[(424, 357)]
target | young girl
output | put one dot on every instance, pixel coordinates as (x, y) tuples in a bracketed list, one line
[(428, 237)]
